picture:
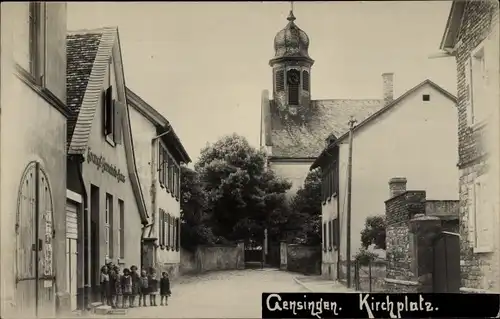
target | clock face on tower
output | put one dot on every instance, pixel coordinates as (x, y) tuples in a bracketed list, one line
[(293, 77)]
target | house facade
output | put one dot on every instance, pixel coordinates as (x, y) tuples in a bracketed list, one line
[(472, 37), (413, 128), (159, 154), (33, 158), (293, 125), (101, 161)]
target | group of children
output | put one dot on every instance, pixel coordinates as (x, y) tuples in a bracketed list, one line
[(120, 290)]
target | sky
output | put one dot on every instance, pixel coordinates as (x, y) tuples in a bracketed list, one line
[(203, 65)]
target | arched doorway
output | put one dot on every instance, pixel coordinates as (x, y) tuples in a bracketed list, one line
[(35, 281)]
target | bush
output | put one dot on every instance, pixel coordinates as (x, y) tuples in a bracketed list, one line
[(364, 257)]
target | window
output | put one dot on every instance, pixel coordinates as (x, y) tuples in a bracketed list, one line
[(36, 50), (161, 218), (480, 215), (330, 181), (305, 81), (280, 81), (481, 77), (170, 174), (426, 97), (172, 231), (336, 232), (108, 220), (109, 113), (325, 237), (121, 229)]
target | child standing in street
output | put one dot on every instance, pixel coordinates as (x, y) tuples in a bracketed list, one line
[(112, 284), (144, 288), (164, 288), (153, 287), (105, 285), (126, 288)]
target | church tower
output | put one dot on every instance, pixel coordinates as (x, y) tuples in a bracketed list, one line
[(291, 69)]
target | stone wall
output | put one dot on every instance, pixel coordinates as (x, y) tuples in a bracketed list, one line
[(399, 242), (213, 258), (478, 270), (304, 259), (400, 286)]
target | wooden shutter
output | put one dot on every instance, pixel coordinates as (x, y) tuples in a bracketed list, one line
[(118, 118), (167, 225), (336, 232), (108, 111), (161, 166), (330, 224), (469, 91), (280, 81), (165, 229), (162, 227), (492, 65), (178, 241), (55, 43), (305, 80), (325, 236)]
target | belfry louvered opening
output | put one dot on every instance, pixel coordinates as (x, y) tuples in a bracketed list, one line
[(305, 81), (280, 81)]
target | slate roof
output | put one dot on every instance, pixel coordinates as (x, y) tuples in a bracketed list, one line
[(307, 140), (81, 50)]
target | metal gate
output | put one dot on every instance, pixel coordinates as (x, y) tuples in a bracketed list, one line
[(35, 289), (446, 272), (253, 251)]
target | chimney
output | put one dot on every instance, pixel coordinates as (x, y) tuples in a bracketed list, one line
[(388, 87), (397, 185)]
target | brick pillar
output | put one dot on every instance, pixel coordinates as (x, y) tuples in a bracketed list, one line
[(397, 185), (283, 255), (424, 229)]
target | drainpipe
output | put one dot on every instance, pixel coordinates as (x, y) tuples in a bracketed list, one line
[(154, 171)]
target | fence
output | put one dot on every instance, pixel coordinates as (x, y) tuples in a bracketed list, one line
[(368, 276)]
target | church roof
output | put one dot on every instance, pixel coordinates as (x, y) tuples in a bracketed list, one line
[(326, 117)]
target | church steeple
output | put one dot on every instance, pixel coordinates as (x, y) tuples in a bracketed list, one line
[(291, 68)]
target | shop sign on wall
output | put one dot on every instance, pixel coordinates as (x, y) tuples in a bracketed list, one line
[(104, 166)]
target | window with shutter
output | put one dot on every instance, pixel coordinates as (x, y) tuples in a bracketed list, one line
[(162, 227), (336, 232), (121, 231), (109, 113), (305, 81), (170, 174), (178, 239), (280, 81)]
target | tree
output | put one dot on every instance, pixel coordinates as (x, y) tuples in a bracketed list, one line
[(374, 232), (243, 197), (194, 232), (305, 217)]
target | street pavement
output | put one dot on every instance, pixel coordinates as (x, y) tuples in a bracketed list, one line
[(227, 294)]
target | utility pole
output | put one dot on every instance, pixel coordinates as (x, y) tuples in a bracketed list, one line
[(352, 122)]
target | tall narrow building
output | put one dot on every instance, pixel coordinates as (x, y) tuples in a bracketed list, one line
[(294, 127)]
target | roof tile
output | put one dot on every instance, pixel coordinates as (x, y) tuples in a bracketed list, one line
[(81, 50), (307, 139)]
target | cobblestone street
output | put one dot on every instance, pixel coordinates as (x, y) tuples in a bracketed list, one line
[(230, 294)]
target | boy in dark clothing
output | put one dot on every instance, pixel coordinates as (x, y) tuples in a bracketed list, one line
[(153, 287), (164, 288)]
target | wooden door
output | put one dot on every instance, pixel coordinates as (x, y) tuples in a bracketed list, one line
[(35, 289)]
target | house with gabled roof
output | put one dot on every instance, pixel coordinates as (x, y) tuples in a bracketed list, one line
[(471, 36), (413, 137), (101, 159), (293, 125), (159, 155)]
